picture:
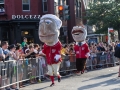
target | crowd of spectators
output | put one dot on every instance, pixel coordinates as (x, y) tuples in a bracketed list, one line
[(101, 54), (19, 52)]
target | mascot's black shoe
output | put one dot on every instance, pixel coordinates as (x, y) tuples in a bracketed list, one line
[(52, 84), (59, 79)]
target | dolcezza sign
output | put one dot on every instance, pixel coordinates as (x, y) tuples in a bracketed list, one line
[(25, 16)]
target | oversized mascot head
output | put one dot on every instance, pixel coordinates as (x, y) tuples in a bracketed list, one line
[(49, 29), (79, 33)]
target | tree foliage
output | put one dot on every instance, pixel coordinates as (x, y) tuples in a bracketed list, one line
[(104, 14)]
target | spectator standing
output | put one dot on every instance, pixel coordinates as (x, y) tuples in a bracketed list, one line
[(117, 54), (113, 52), (94, 55), (101, 53), (72, 53), (72, 56), (19, 53), (4, 53), (109, 54), (12, 70), (33, 63), (24, 44)]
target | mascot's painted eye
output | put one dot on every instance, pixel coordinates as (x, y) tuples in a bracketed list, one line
[(48, 21)]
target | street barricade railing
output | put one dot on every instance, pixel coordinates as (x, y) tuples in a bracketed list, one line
[(103, 59), (13, 72), (68, 64)]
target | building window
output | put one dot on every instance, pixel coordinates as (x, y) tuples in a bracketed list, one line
[(78, 9), (45, 6), (26, 5), (2, 8), (1, 1)]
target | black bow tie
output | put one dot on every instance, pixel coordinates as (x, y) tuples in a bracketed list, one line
[(79, 43)]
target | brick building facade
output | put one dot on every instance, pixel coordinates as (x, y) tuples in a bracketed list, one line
[(20, 18)]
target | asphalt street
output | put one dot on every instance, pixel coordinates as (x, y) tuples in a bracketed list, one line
[(102, 79)]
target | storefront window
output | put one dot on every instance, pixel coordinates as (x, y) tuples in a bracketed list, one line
[(45, 6), (26, 5)]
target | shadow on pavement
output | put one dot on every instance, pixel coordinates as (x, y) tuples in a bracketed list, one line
[(99, 77), (102, 84), (42, 88), (116, 89)]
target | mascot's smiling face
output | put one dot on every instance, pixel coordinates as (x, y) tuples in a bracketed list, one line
[(48, 28), (79, 33)]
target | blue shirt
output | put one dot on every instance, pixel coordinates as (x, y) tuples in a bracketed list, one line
[(118, 45), (1, 51)]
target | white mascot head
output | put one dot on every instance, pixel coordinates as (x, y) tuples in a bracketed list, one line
[(79, 33), (49, 29)]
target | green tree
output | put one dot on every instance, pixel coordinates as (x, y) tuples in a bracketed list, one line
[(104, 14)]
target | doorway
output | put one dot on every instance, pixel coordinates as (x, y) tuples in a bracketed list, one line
[(29, 34)]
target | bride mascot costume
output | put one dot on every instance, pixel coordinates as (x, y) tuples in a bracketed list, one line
[(49, 26), (81, 49)]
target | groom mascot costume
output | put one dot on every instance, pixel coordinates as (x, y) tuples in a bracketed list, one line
[(49, 26)]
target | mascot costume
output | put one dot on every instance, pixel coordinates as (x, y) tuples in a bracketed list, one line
[(81, 49), (48, 33)]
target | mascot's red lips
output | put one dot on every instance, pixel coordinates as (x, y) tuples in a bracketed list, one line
[(47, 35), (77, 31)]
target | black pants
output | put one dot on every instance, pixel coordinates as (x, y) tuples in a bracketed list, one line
[(80, 64)]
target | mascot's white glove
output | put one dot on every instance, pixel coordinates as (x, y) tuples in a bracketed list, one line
[(87, 55), (57, 57)]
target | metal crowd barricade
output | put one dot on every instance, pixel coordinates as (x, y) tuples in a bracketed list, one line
[(8, 73), (89, 64), (15, 71), (108, 58), (68, 64), (103, 60)]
